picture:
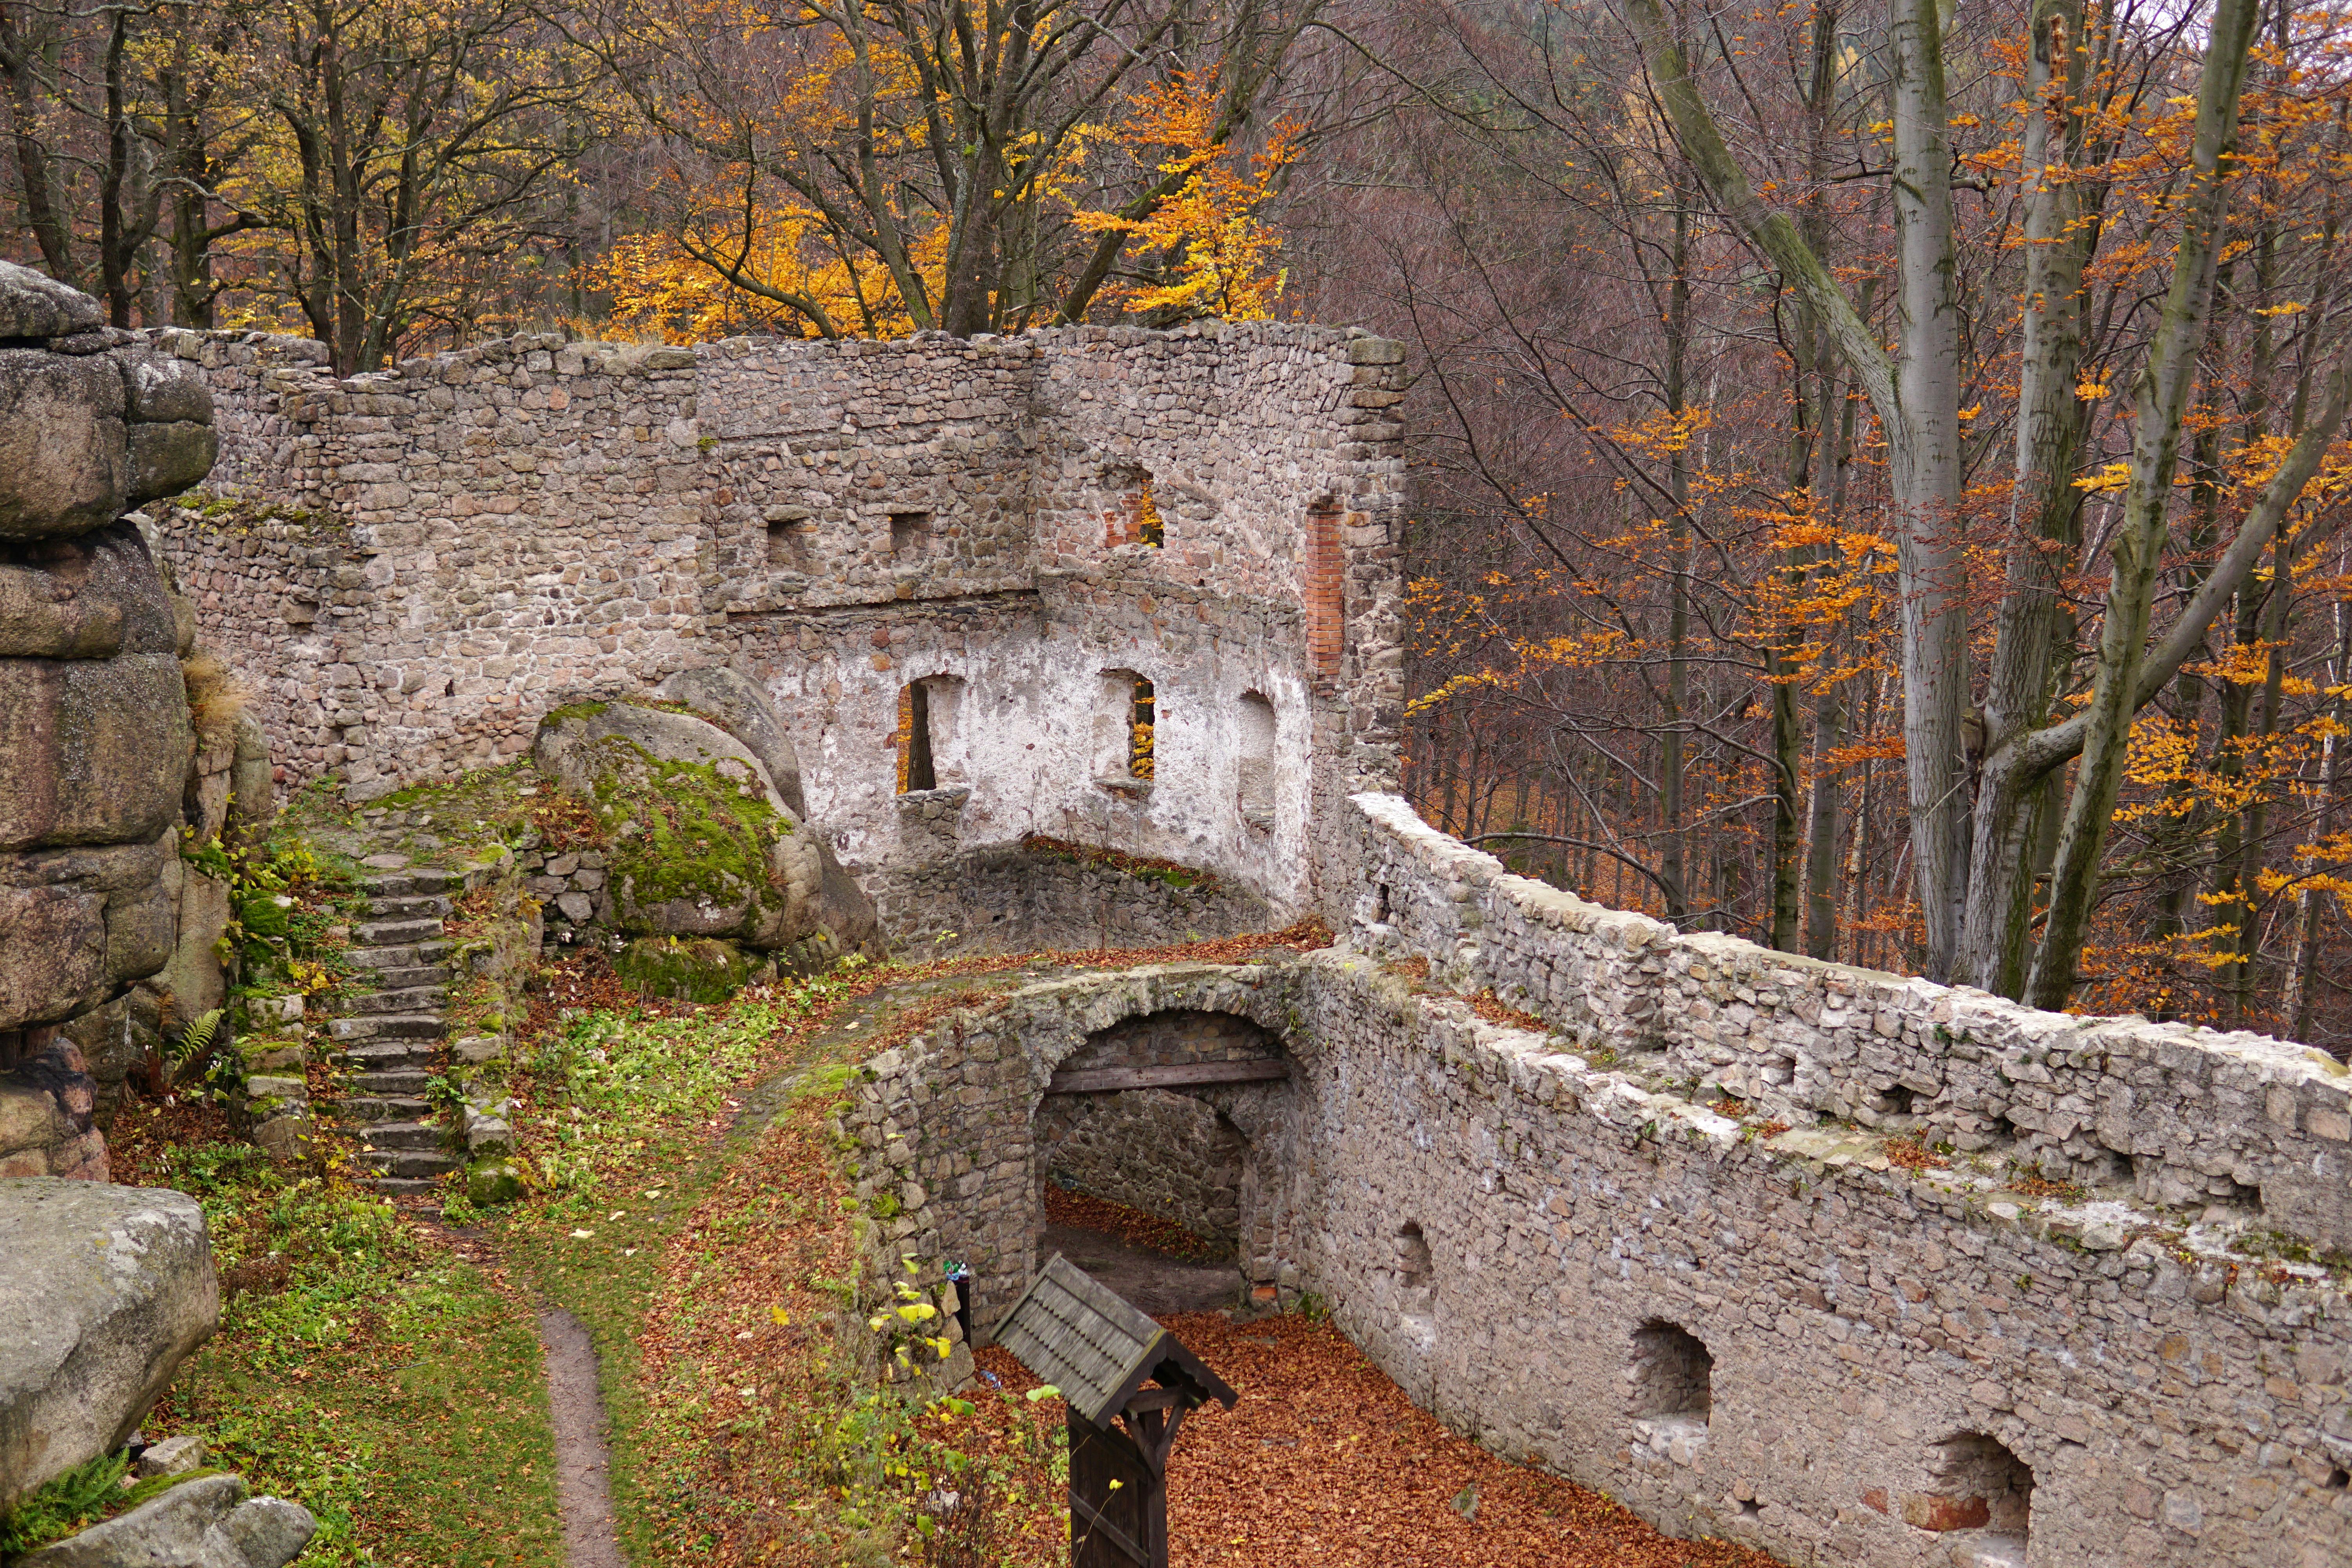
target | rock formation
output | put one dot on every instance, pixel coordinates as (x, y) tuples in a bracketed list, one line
[(106, 1291), (94, 727), (207, 1521), (703, 844)]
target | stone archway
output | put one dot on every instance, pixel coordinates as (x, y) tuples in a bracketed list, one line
[(1187, 1114)]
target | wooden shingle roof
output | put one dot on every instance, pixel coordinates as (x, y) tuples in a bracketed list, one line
[(1097, 1349)]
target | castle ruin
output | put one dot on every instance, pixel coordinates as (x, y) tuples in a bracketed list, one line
[(1857, 1269)]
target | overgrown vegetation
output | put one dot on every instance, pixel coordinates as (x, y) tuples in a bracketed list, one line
[(361, 1369), (1144, 868)]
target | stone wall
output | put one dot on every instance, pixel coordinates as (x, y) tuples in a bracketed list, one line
[(2167, 1113), (1788, 1335), (429, 558), (1011, 898), (1853, 1268)]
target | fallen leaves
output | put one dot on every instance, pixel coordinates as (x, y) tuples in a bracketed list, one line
[(1325, 1461)]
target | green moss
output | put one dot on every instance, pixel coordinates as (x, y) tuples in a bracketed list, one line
[(688, 970), (573, 711), (696, 835)]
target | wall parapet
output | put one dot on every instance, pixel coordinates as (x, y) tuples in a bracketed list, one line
[(1516, 1232), (2186, 1118)]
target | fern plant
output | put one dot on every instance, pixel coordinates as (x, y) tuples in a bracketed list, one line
[(197, 1039)]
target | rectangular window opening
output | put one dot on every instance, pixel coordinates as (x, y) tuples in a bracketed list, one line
[(1150, 529), (1141, 718), (910, 532), (916, 769), (788, 547)]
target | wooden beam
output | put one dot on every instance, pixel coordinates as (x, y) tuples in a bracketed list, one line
[(1098, 1081)]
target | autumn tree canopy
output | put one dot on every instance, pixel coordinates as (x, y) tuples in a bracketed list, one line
[(1878, 465)]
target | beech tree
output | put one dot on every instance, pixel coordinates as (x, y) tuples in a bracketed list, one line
[(1970, 864)]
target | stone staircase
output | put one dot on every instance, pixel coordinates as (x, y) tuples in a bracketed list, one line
[(388, 1040)]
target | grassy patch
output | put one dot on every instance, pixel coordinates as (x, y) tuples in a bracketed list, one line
[(393, 1390)]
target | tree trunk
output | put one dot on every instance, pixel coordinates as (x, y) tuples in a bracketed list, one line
[(2060, 234), (2137, 544)]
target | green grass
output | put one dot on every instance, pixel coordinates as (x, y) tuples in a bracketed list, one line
[(646, 1087), (395, 1392)]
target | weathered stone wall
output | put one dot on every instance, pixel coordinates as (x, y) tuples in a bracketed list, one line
[(456, 544), (1008, 898), (2170, 1114), (1778, 1333), (2175, 1404)]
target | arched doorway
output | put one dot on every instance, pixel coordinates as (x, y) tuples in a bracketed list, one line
[(1186, 1116)]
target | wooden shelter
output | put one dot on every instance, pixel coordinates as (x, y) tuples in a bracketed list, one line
[(1100, 1352)]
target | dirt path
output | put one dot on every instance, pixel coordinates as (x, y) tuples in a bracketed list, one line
[(584, 1487)]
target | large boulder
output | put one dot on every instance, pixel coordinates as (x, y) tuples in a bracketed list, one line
[(107, 1289), (95, 738), (207, 1521), (733, 702), (702, 844)]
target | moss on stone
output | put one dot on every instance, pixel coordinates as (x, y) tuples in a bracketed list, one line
[(684, 969), (698, 836)]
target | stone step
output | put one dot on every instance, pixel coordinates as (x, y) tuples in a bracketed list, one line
[(406, 1081), (390, 1056), (431, 906), (402, 1186), (389, 1026), (406, 975), (395, 934), (406, 1161), (408, 1135), (412, 880), (406, 999), (366, 1109), (401, 957)]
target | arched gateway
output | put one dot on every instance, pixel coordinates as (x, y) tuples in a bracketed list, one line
[(1180, 1090), (1187, 1115)]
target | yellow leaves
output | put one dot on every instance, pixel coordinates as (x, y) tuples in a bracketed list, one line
[(1220, 253), (1660, 432), (2091, 392), (2110, 476)]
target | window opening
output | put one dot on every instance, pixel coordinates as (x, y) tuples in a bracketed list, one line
[(1256, 766), (1142, 715), (1975, 1483), (1149, 531), (788, 545), (910, 532), (1137, 519), (1673, 1376), (1416, 1290), (916, 769)]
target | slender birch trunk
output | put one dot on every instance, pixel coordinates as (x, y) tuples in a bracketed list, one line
[(2137, 544)]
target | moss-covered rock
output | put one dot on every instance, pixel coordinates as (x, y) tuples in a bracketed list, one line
[(699, 969), (699, 843), (495, 1181)]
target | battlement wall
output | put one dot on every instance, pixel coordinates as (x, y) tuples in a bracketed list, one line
[(424, 560), (2229, 1127)]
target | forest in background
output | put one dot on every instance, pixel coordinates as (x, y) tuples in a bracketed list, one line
[(1878, 465)]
